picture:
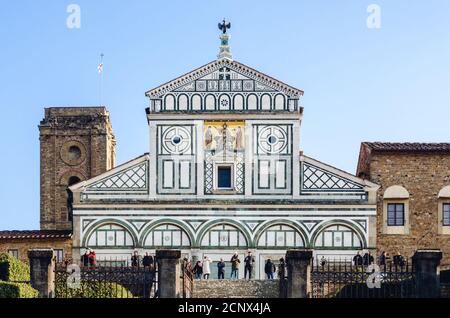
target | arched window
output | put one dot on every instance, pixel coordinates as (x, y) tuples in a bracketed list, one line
[(238, 102), (210, 102), (224, 235), (279, 102), (167, 235), (252, 102), (266, 102), (338, 236), (196, 102), (110, 235), (169, 102), (224, 102), (73, 180), (281, 236), (183, 102)]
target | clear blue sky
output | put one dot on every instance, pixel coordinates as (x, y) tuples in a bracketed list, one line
[(388, 84)]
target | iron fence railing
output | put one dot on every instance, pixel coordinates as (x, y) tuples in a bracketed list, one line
[(106, 279), (345, 279)]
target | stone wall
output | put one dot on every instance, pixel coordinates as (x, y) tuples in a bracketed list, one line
[(423, 175), (236, 288), (23, 245), (75, 142)]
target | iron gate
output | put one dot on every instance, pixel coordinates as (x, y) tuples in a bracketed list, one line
[(110, 279), (343, 279)]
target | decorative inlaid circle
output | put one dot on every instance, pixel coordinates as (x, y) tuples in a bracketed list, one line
[(73, 152), (272, 139), (176, 140)]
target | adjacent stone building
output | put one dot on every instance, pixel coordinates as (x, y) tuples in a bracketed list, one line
[(76, 143), (413, 202), (17, 243)]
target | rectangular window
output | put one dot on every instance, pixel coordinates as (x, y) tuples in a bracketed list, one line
[(396, 214), (59, 256), (446, 214), (14, 253), (224, 177)]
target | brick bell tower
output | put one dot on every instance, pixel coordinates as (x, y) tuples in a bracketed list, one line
[(76, 144)]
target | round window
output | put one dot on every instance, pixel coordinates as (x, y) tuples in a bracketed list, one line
[(272, 139), (74, 153)]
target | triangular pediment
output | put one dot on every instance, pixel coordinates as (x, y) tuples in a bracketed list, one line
[(317, 176), (130, 178), (224, 76)]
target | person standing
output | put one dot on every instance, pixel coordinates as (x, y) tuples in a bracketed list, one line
[(382, 258), (206, 267), (198, 270), (357, 260), (135, 259), (282, 269), (248, 261), (147, 261), (221, 269), (85, 259), (269, 269), (235, 261), (92, 259)]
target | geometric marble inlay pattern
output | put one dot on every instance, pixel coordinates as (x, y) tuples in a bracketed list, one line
[(315, 178), (133, 178)]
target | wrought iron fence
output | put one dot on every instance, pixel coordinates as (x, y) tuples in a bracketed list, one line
[(344, 279), (107, 279)]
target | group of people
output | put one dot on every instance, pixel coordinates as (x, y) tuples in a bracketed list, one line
[(202, 269), (367, 259), (147, 260), (89, 258)]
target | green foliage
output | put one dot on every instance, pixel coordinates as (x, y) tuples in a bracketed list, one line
[(95, 289), (13, 270), (17, 290)]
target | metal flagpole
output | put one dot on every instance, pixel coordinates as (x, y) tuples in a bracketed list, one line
[(100, 70)]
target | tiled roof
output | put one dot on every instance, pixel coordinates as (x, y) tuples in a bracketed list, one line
[(35, 234), (408, 147)]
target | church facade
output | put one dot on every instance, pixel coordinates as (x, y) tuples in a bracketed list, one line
[(224, 174)]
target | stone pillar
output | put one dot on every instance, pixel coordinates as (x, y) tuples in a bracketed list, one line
[(42, 271), (426, 266), (169, 273), (299, 273)]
